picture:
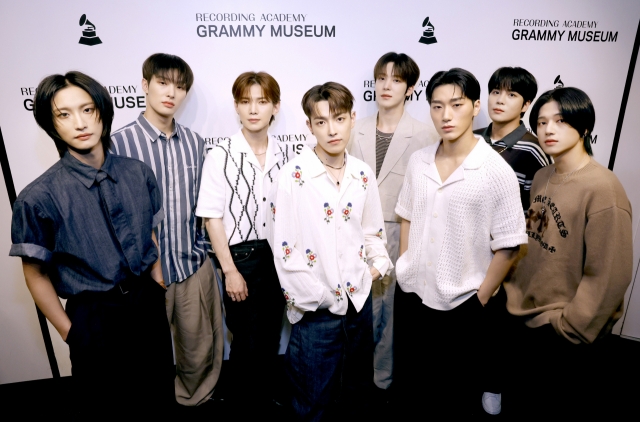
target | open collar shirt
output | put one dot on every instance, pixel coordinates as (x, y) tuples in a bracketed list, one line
[(456, 225), (176, 161), (90, 227), (324, 239), (235, 187)]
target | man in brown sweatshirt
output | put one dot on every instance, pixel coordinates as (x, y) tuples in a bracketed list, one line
[(568, 291)]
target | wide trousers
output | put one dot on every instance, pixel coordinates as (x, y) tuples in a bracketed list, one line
[(383, 292), (255, 324), (194, 309), (329, 363), (438, 358), (120, 349)]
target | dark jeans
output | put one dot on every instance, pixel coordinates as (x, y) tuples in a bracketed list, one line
[(437, 358), (495, 340), (329, 363), (255, 322), (120, 349), (551, 378)]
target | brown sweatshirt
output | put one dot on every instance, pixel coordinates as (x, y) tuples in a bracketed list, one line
[(580, 254)]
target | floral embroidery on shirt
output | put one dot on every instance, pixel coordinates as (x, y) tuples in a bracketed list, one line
[(297, 176), (328, 212), (311, 257), (361, 254), (291, 301), (351, 289), (365, 180), (287, 251), (379, 234), (338, 293), (346, 212), (273, 212)]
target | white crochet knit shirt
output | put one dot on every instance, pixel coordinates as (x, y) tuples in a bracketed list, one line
[(456, 225)]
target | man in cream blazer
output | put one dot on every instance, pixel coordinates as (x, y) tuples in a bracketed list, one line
[(385, 142)]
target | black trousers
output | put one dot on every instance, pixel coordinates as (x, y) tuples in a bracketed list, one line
[(437, 358), (120, 349), (551, 378), (255, 322)]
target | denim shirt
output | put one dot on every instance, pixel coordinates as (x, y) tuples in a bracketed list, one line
[(91, 228)]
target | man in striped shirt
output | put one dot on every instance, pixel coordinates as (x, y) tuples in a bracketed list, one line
[(176, 154), (511, 91)]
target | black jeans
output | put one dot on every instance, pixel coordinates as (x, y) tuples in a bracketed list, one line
[(255, 322), (437, 358), (120, 349)]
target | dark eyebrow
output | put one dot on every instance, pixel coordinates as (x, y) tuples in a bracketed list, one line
[(557, 114)]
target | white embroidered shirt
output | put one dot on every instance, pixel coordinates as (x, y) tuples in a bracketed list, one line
[(324, 239)]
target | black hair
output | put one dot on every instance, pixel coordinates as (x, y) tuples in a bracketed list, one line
[(162, 65), (575, 107), (43, 105), (403, 67), (463, 79), (515, 79)]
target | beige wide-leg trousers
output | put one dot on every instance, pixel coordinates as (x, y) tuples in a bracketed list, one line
[(194, 309)]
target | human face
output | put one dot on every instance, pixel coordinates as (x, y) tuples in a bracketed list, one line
[(556, 137), (332, 131), (76, 120), (255, 110), (452, 113), (505, 106), (390, 89), (163, 96)]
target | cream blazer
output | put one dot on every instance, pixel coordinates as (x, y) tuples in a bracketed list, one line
[(410, 136)]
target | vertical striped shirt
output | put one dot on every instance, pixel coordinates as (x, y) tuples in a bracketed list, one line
[(176, 162)]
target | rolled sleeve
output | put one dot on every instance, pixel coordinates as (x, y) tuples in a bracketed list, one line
[(508, 227), (32, 232), (211, 198), (404, 205)]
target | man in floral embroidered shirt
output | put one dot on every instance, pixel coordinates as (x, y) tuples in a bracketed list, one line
[(329, 244)]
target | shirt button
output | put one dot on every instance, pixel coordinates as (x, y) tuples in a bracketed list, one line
[(440, 190), (264, 224), (435, 215), (264, 199), (433, 240), (429, 264)]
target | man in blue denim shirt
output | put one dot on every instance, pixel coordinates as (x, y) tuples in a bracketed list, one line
[(84, 231)]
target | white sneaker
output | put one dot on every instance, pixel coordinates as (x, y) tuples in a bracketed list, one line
[(492, 403)]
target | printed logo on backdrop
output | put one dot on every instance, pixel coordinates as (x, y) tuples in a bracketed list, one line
[(122, 96), (428, 36), (561, 30), (89, 36), (558, 82), (290, 143), (267, 25), (417, 95)]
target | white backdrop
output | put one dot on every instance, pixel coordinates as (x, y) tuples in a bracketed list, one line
[(39, 38)]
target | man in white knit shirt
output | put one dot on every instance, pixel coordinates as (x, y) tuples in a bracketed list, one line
[(461, 228)]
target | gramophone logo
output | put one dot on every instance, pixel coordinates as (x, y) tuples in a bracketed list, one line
[(427, 35), (89, 36), (558, 82)]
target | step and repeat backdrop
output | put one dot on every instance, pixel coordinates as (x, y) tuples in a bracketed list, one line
[(587, 44)]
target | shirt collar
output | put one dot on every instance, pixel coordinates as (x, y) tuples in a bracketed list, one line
[(240, 144), (84, 172), (474, 160), (315, 167), (511, 139), (153, 132)]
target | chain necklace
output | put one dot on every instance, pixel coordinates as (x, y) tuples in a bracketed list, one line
[(344, 162)]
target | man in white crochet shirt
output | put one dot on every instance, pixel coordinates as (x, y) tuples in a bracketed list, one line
[(461, 228)]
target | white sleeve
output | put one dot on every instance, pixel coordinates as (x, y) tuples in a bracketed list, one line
[(213, 186), (299, 285)]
